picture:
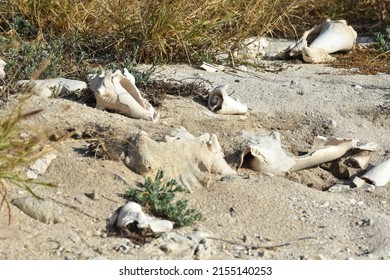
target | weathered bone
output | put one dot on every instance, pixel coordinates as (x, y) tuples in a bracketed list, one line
[(56, 86), (117, 91), (379, 175), (188, 159), (221, 103), (317, 43)]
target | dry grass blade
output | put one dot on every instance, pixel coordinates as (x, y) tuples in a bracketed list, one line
[(15, 152)]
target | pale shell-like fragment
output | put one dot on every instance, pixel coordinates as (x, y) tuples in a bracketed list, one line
[(40, 166), (117, 91), (54, 87), (131, 213), (379, 175), (221, 103), (317, 43), (265, 154)]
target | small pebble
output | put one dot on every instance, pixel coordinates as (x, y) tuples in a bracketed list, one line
[(357, 87)]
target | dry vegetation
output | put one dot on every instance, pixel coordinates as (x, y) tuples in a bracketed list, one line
[(166, 31)]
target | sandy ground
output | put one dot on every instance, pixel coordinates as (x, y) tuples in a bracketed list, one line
[(300, 101)]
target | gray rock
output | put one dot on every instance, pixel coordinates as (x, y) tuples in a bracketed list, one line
[(39, 209)]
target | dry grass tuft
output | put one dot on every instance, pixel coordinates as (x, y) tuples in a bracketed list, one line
[(18, 147)]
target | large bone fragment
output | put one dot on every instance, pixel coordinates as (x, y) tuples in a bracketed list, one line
[(317, 43), (188, 159), (221, 103), (117, 91)]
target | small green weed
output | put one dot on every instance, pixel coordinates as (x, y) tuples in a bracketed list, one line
[(383, 39), (159, 198)]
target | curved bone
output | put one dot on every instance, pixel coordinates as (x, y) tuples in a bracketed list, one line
[(379, 175), (317, 43), (56, 86), (221, 103), (189, 160), (117, 91), (328, 149), (265, 154)]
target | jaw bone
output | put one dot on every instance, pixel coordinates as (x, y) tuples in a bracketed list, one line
[(221, 103), (317, 43), (117, 91), (188, 159)]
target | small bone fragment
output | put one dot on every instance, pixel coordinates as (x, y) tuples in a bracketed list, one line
[(379, 175)]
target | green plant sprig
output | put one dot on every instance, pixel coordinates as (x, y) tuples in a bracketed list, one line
[(383, 39), (159, 198)]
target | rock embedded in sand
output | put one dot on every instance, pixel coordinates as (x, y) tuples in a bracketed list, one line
[(54, 87), (188, 159), (42, 210)]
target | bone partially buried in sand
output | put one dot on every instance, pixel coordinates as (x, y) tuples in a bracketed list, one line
[(117, 91)]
